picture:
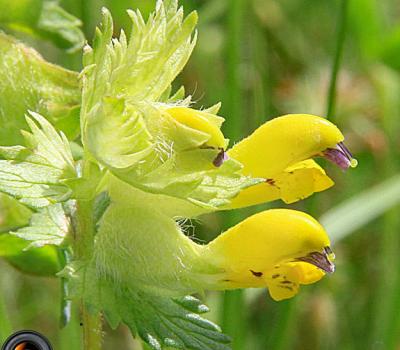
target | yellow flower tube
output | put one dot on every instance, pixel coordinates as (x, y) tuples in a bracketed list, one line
[(279, 248), (280, 150)]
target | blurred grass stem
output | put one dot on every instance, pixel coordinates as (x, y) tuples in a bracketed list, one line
[(233, 318), (337, 59)]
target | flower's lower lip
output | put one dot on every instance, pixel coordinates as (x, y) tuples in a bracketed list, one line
[(319, 260), (340, 156)]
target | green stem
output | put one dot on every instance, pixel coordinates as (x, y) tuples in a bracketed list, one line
[(340, 39), (84, 238), (92, 329)]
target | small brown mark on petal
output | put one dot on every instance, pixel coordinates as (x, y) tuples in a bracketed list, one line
[(257, 274), (270, 182)]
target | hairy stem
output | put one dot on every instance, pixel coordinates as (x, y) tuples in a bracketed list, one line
[(84, 228)]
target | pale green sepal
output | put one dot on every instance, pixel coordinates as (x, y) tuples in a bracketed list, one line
[(172, 207), (117, 135), (49, 226), (211, 115), (28, 82), (178, 96), (191, 176), (221, 184), (165, 95)]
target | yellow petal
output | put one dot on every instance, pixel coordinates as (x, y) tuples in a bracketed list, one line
[(250, 252), (199, 120), (284, 281), (283, 142), (296, 182)]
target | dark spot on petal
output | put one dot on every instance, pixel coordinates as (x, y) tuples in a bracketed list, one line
[(286, 282), (270, 182), (287, 287), (257, 274), (275, 275)]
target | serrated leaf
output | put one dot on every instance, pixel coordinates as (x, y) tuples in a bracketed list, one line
[(161, 321), (34, 185), (28, 82), (44, 19), (49, 226), (38, 261), (33, 175)]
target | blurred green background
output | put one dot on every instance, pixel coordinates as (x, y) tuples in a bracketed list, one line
[(265, 58)]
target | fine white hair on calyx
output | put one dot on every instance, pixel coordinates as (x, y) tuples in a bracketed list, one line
[(188, 227), (164, 149)]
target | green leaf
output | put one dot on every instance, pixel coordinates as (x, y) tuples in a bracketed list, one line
[(27, 82), (60, 27), (167, 322), (161, 321), (32, 175), (12, 213), (38, 261), (44, 19), (49, 226), (361, 209)]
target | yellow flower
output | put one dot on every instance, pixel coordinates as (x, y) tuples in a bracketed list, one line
[(280, 151), (279, 249)]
